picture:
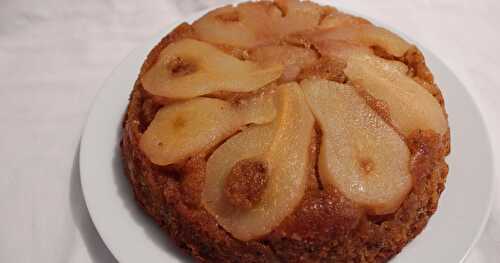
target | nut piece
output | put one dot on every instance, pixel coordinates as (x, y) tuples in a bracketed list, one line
[(246, 183)]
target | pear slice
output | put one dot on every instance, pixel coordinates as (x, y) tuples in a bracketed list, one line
[(254, 24), (411, 106), (282, 147), (365, 35), (184, 128), (360, 154), (246, 25), (190, 68)]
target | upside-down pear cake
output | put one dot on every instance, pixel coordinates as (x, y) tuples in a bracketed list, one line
[(286, 131)]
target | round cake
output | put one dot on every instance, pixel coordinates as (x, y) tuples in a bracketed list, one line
[(286, 131)]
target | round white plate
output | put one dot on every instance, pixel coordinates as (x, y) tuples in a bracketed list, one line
[(133, 237)]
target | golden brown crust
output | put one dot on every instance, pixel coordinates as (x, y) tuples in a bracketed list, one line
[(325, 227), (321, 215), (418, 69)]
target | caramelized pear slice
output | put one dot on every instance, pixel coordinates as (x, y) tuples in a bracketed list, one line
[(190, 68), (359, 154), (185, 128), (365, 35), (246, 25), (257, 23), (411, 106), (281, 147)]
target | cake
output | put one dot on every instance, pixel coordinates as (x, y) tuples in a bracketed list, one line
[(286, 131)]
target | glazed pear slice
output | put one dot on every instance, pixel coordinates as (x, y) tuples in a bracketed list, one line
[(254, 24), (365, 35), (359, 154), (411, 106), (282, 147), (185, 128), (190, 68), (246, 25)]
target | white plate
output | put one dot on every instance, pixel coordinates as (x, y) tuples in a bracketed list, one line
[(133, 237)]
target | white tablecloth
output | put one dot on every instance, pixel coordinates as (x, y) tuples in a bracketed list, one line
[(55, 54)]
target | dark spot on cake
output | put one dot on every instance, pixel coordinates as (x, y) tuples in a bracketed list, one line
[(179, 67), (179, 122), (314, 154), (379, 51), (246, 183), (366, 165), (229, 17)]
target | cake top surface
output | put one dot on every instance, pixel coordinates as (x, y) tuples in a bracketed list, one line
[(281, 97)]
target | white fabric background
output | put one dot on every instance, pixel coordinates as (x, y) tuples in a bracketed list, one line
[(55, 54)]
